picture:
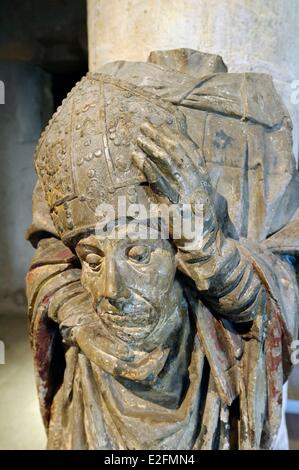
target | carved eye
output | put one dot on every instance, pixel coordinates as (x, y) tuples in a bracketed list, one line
[(93, 260), (139, 254)]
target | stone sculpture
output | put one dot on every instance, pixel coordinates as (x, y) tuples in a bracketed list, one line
[(165, 343)]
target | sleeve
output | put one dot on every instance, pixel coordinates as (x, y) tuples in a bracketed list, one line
[(223, 275), (241, 281), (51, 270)]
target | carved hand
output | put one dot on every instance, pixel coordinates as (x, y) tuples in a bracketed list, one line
[(175, 170), (173, 167)]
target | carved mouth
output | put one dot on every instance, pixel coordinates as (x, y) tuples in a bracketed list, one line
[(127, 318), (129, 330), (132, 320), (123, 309)]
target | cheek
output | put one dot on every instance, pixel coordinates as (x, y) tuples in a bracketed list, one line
[(152, 280), (163, 269), (91, 282)]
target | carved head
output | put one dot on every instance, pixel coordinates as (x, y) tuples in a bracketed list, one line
[(131, 282)]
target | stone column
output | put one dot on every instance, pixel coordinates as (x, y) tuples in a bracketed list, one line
[(250, 35)]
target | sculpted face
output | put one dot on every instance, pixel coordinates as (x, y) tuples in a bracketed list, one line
[(131, 283)]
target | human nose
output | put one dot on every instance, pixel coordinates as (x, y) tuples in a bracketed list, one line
[(115, 288)]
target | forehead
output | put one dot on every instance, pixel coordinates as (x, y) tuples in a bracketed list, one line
[(108, 242), (120, 231)]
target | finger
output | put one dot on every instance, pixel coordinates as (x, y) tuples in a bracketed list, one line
[(138, 158), (156, 153), (168, 165), (168, 139), (158, 136), (174, 142), (154, 177), (158, 183), (151, 172), (148, 168), (186, 143), (174, 154), (182, 149)]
